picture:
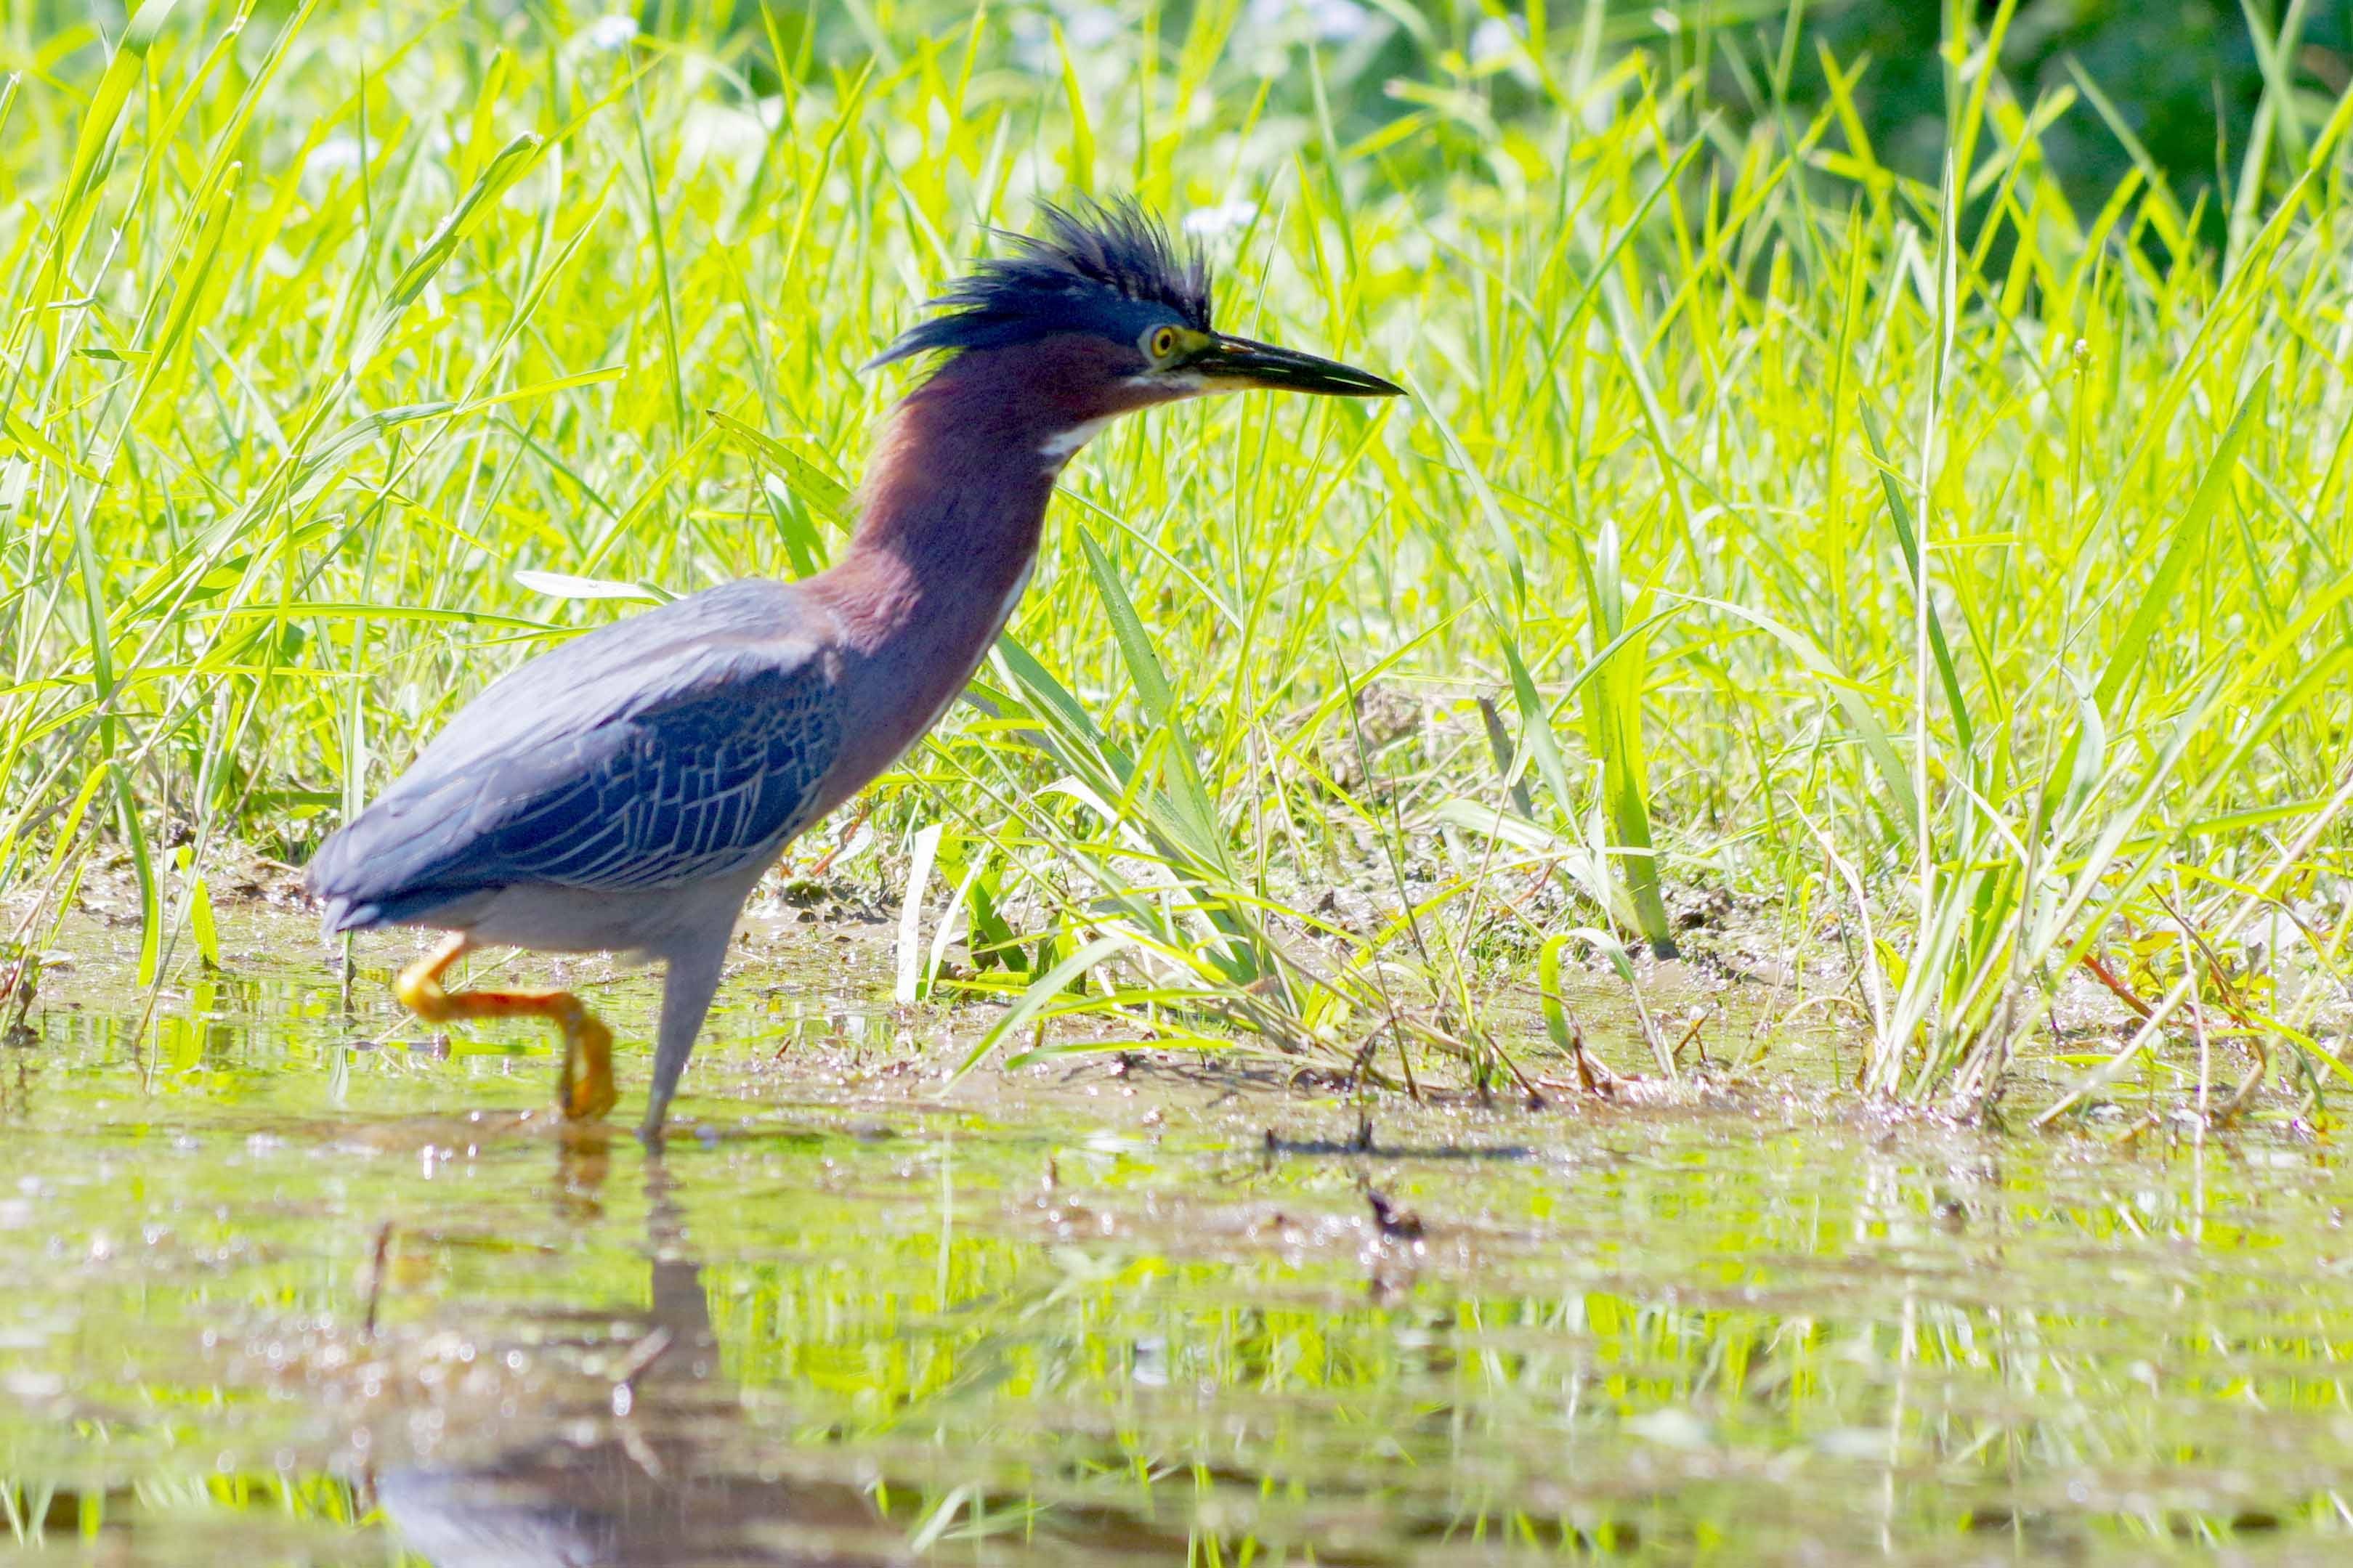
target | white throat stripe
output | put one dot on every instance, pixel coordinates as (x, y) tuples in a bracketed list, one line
[(1057, 448)]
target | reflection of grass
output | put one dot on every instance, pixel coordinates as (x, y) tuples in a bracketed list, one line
[(1974, 607), (1731, 1331)]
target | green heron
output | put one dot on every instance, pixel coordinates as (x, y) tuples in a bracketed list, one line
[(625, 792)]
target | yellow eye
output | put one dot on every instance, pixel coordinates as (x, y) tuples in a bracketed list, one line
[(1164, 342)]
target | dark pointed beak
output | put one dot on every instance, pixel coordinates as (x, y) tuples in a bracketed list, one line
[(1239, 363)]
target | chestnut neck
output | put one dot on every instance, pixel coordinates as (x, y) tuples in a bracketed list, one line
[(949, 520)]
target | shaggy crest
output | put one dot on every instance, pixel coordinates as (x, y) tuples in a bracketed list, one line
[(1098, 268)]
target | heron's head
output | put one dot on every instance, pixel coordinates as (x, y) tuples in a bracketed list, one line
[(1115, 318)]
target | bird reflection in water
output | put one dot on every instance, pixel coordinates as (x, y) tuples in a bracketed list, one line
[(648, 1462)]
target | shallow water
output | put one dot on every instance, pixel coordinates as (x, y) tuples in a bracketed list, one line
[(266, 1298)]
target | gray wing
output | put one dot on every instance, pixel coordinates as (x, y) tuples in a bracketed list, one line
[(659, 750)]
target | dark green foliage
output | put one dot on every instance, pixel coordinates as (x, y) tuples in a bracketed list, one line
[(2184, 77)]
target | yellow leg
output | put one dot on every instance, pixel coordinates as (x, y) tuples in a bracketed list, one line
[(584, 1090)]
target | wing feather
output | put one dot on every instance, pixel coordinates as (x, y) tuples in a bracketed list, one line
[(672, 747)]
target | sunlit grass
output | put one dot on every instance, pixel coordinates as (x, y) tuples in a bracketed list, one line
[(1956, 577)]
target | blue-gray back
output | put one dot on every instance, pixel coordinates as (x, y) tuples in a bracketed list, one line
[(676, 745)]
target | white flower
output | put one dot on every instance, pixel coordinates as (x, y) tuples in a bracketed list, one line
[(1033, 45), (1331, 21), (1085, 28), (1091, 28), (611, 33), (1336, 21), (332, 157), (1495, 39), (1209, 223)]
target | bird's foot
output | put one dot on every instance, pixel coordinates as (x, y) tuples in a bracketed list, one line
[(583, 1088), (419, 985)]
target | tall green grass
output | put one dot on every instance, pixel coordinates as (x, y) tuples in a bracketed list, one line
[(1958, 576)]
